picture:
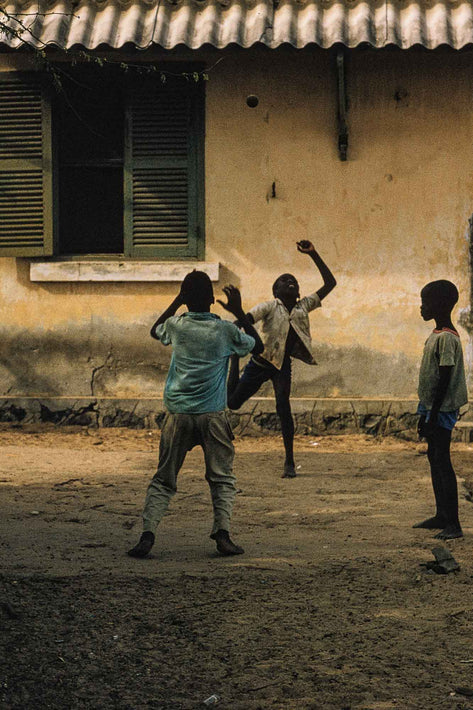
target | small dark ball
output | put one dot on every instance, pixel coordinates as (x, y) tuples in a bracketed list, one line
[(252, 101)]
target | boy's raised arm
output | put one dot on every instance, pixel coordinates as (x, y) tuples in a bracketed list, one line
[(234, 306), (306, 247), (170, 311)]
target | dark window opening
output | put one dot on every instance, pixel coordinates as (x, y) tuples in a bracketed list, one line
[(90, 157), (111, 164)]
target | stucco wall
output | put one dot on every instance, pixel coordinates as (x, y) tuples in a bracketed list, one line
[(391, 218)]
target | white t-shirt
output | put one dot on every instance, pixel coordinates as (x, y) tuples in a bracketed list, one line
[(276, 321)]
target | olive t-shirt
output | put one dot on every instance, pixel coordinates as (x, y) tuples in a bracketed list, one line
[(443, 348)]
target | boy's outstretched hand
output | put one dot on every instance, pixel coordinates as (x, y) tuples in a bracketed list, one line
[(305, 246), (233, 304)]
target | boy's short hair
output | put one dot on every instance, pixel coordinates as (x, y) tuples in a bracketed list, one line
[(197, 289), (443, 292), (275, 284)]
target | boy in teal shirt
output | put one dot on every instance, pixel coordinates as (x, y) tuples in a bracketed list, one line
[(442, 391), (195, 399)]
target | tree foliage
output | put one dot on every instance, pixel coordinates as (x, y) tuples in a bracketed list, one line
[(19, 27)]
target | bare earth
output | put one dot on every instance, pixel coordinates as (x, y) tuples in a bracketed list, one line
[(329, 607)]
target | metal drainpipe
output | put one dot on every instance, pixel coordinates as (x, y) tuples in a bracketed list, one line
[(342, 106)]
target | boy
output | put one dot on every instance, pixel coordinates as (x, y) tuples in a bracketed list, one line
[(442, 391), (286, 334), (195, 397)]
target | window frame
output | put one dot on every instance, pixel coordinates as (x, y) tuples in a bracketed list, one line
[(196, 184), (196, 167), (44, 164)]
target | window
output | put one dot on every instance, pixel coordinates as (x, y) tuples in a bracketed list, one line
[(89, 124), (110, 165)]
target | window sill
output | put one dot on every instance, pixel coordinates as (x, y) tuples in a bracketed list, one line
[(118, 270)]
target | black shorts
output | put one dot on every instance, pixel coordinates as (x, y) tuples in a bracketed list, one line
[(255, 375)]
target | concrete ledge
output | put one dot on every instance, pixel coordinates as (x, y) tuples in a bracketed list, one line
[(312, 416), (66, 270)]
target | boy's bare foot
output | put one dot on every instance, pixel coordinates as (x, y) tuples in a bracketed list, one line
[(224, 545), (289, 471), (435, 523), (144, 546), (449, 533)]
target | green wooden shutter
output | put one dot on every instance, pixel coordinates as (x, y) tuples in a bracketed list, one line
[(25, 168), (164, 184)]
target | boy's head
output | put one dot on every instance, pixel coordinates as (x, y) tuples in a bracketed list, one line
[(438, 297), (197, 291), (286, 286)]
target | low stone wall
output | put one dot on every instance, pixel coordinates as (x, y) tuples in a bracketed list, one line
[(313, 416)]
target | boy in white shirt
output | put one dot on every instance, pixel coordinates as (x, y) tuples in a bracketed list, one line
[(285, 333)]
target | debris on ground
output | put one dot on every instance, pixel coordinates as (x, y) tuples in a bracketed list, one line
[(467, 692), (9, 610), (213, 700), (444, 561)]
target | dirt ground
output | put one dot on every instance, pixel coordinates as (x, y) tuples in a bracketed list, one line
[(330, 607)]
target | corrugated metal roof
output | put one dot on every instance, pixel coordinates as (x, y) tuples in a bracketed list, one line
[(193, 23)]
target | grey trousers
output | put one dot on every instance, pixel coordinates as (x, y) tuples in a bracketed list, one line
[(180, 433)]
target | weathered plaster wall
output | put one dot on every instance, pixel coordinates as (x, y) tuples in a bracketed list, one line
[(391, 218)]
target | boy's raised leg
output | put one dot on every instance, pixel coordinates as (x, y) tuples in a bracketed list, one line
[(233, 376), (240, 389)]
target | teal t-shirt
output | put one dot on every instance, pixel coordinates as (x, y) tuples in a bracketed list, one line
[(202, 344)]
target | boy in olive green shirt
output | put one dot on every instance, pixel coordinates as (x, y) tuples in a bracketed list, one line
[(442, 391)]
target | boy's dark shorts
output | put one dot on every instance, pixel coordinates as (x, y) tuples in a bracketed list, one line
[(256, 374)]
